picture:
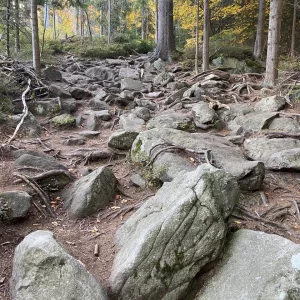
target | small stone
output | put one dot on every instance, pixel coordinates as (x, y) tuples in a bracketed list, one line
[(122, 139), (138, 180)]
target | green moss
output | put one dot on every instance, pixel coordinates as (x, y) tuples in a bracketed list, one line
[(136, 152), (64, 121), (187, 126)]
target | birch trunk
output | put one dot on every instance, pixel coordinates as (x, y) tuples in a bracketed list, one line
[(258, 45), (273, 43), (35, 38)]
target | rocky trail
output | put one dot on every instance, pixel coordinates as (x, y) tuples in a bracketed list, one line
[(97, 141)]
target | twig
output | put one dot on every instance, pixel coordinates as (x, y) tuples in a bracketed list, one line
[(297, 209), (25, 112), (264, 198), (40, 192), (38, 209)]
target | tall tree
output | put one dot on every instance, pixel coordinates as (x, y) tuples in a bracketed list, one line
[(108, 21), (293, 35), (258, 45), (17, 26), (273, 43), (197, 38), (165, 31), (35, 38), (205, 48), (8, 27)]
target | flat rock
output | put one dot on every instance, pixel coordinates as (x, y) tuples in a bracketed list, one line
[(222, 153), (252, 121), (172, 120), (17, 203), (100, 73), (43, 270), (256, 266), (86, 196), (129, 73), (269, 104), (131, 84), (174, 235), (285, 125), (277, 154), (175, 96), (58, 91), (131, 122), (122, 139), (64, 121)]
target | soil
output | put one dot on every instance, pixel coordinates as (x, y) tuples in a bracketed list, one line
[(80, 237)]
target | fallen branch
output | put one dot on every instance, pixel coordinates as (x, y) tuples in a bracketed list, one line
[(297, 209), (25, 112), (44, 197), (279, 135)]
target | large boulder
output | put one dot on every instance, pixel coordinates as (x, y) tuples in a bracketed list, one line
[(222, 154), (122, 139), (131, 84), (256, 266), (89, 194), (43, 270), (174, 235), (277, 154), (129, 73), (269, 104)]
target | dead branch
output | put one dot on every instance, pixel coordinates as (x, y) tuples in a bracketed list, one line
[(264, 198), (25, 112), (44, 197), (297, 209)]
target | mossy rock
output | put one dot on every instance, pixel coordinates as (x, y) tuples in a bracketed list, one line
[(64, 121)]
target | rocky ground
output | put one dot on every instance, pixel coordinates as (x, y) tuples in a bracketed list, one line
[(151, 120)]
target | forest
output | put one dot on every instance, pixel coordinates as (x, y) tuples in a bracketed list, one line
[(113, 28), (149, 149)]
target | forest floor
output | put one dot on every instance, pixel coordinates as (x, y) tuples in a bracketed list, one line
[(279, 216)]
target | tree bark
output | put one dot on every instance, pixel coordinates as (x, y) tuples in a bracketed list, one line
[(273, 43), (54, 24), (108, 21), (35, 38), (101, 31), (165, 32), (258, 45), (156, 21), (7, 27), (17, 28), (293, 35), (77, 20), (206, 24), (197, 38)]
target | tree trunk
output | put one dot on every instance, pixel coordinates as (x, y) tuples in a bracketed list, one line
[(101, 31), (165, 32), (35, 38), (273, 43), (156, 21), (197, 38), (7, 27), (108, 21), (206, 25), (258, 45), (143, 15), (88, 24), (17, 28), (77, 20), (294, 29), (54, 24)]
